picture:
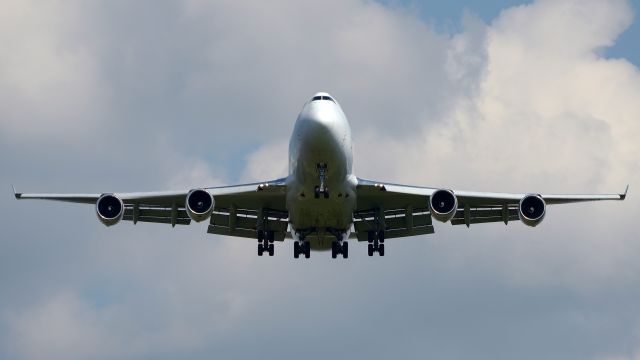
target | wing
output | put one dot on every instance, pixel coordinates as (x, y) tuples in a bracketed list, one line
[(404, 210), (240, 210)]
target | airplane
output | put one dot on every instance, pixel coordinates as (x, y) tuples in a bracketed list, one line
[(321, 203)]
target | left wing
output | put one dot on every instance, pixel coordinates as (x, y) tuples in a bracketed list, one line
[(238, 210), (402, 210)]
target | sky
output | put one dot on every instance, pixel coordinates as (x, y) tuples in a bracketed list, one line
[(112, 96)]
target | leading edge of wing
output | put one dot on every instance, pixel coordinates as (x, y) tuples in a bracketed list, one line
[(492, 198), (398, 188), (153, 197)]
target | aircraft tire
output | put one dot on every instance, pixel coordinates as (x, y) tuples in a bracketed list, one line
[(260, 249), (296, 249)]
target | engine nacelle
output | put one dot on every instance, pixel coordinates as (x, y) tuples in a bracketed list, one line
[(199, 204), (443, 205), (532, 209), (110, 209)]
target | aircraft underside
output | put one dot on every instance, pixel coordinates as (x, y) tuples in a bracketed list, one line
[(321, 204)]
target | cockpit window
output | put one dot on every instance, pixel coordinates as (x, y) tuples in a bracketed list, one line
[(320, 97)]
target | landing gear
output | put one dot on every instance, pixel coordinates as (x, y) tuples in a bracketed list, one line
[(376, 243), (339, 245), (322, 190), (268, 248), (302, 248), (265, 242), (318, 193)]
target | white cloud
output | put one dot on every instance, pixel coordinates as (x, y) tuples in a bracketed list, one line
[(526, 103), (61, 328), (50, 87), (267, 163), (545, 117)]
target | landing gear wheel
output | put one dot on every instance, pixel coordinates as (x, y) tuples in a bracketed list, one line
[(381, 249), (381, 236), (345, 250), (270, 236), (260, 249), (271, 248), (334, 249), (307, 249), (260, 235), (326, 193), (371, 235), (296, 249), (316, 192), (370, 249)]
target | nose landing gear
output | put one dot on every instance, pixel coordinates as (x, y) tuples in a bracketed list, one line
[(322, 190)]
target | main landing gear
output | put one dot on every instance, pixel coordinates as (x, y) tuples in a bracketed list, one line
[(301, 248), (339, 245), (265, 242), (376, 242)]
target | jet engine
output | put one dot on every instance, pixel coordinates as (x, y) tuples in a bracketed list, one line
[(532, 209), (199, 204), (443, 205), (109, 209)]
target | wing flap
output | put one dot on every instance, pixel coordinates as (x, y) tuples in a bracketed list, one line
[(485, 215), (245, 223), (156, 214), (396, 223), (159, 220), (481, 220)]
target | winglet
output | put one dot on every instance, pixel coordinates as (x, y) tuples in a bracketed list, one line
[(16, 194), (624, 195)]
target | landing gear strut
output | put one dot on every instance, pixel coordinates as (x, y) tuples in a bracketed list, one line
[(265, 242), (322, 190), (376, 243), (339, 245), (302, 248)]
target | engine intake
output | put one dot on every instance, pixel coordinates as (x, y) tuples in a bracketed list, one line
[(532, 209), (109, 209), (443, 205), (199, 204)]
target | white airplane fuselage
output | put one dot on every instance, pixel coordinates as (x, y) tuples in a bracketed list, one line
[(321, 143)]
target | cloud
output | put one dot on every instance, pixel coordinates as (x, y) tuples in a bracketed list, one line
[(537, 120), (63, 327), (198, 93), (49, 81)]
